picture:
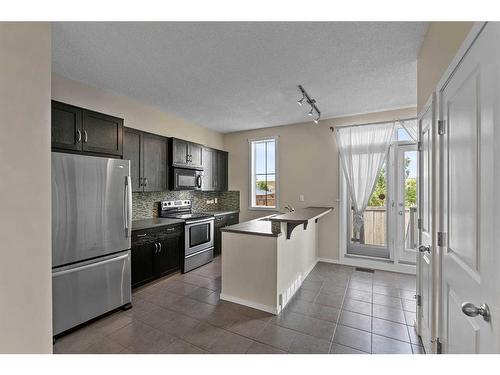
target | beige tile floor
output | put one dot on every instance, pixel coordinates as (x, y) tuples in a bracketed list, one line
[(338, 310)]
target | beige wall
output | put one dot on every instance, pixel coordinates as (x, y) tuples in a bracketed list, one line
[(441, 43), (308, 165), (25, 250), (136, 115)]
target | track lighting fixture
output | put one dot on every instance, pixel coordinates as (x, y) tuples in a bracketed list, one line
[(311, 102)]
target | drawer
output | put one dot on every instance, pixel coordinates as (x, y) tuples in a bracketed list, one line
[(141, 237), (86, 290), (233, 219)]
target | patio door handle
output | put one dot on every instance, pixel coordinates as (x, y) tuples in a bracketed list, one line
[(424, 249)]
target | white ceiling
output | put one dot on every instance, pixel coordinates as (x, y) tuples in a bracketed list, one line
[(238, 76)]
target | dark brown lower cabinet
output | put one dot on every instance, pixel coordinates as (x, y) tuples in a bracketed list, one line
[(222, 221), (155, 253)]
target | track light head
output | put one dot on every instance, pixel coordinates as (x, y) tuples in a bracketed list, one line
[(310, 113), (300, 101)]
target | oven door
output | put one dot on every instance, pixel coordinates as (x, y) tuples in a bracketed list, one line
[(199, 235), (186, 179)]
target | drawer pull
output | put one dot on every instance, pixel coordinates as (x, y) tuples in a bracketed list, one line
[(142, 235)]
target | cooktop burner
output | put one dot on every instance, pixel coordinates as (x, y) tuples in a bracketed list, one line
[(180, 209)]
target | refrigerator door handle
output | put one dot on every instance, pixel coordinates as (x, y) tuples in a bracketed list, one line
[(127, 206), (91, 265)]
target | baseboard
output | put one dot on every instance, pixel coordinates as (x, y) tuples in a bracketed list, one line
[(374, 264), (254, 305)]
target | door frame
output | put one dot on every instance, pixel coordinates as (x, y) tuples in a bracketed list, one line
[(429, 345)]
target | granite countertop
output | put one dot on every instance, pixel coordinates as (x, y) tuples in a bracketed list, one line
[(154, 222), (301, 215), (222, 212), (263, 225), (259, 227)]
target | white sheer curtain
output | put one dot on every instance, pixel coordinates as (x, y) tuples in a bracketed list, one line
[(362, 150), (411, 127)]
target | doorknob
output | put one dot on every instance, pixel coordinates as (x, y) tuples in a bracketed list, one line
[(423, 249), (469, 309)]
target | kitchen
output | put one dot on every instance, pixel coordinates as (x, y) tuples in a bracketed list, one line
[(92, 265), (186, 187)]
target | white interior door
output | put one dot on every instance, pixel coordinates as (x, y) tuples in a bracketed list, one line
[(427, 257), (470, 103)]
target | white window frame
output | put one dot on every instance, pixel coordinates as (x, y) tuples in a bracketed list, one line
[(251, 174)]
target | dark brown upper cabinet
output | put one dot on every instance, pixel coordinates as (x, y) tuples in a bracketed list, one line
[(214, 170), (66, 127), (148, 160), (81, 130), (184, 154)]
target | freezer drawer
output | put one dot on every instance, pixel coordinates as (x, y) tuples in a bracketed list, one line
[(86, 290)]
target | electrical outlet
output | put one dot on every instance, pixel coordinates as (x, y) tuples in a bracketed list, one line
[(301, 197), (216, 200)]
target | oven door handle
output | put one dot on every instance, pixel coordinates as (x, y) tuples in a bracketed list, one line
[(200, 221)]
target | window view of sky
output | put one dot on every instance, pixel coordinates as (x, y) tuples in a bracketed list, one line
[(264, 179)]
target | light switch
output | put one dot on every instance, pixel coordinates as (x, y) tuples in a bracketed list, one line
[(301, 197)]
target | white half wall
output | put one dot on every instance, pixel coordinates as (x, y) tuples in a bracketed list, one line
[(25, 198)]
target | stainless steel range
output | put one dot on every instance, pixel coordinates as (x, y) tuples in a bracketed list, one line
[(199, 233)]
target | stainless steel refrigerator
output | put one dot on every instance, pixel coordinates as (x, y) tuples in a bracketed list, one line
[(91, 226)]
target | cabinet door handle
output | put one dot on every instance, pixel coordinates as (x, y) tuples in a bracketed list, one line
[(145, 183), (156, 248), (142, 235), (78, 136), (170, 229), (159, 244), (85, 137)]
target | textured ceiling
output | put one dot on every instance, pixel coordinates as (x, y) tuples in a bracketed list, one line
[(238, 76)]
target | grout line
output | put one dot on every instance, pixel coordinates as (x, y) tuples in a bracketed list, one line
[(371, 321), (340, 313)]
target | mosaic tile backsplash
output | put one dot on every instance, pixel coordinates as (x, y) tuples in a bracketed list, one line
[(145, 205)]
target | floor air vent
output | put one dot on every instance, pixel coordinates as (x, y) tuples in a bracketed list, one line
[(360, 269)]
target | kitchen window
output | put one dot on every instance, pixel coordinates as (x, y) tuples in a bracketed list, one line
[(263, 173)]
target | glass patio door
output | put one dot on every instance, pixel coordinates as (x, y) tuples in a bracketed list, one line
[(390, 229), (406, 203)]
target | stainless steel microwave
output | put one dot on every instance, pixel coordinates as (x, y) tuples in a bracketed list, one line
[(185, 179)]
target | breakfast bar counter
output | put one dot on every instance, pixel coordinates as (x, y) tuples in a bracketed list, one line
[(265, 260)]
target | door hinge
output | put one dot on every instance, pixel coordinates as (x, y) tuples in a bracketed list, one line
[(419, 300), (439, 347), (419, 223), (441, 127), (441, 238)]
